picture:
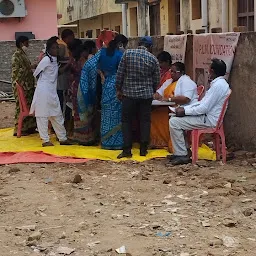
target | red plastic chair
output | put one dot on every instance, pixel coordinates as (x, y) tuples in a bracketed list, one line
[(219, 134), (200, 91), (24, 109)]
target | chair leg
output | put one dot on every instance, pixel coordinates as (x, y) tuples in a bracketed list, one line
[(223, 149), (217, 146), (20, 122), (195, 142)]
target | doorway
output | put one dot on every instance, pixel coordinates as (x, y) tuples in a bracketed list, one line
[(154, 14)]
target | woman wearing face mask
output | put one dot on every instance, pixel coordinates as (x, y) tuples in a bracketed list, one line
[(106, 61), (22, 74)]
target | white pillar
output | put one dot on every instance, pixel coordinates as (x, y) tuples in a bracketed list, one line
[(124, 19), (205, 19), (142, 18), (224, 15)]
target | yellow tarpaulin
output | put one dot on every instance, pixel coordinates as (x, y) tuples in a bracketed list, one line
[(9, 143)]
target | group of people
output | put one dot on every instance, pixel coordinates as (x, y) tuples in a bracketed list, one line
[(95, 97)]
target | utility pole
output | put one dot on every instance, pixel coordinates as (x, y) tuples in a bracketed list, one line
[(142, 17)]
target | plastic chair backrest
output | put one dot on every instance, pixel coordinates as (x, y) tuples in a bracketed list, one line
[(22, 99), (200, 91), (223, 111)]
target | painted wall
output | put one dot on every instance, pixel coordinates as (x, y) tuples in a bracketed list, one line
[(215, 15), (109, 20), (41, 21), (132, 19), (85, 9)]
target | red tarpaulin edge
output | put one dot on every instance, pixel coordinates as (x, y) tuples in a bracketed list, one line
[(36, 157)]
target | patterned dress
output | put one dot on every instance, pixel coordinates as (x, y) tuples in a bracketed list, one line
[(22, 73)]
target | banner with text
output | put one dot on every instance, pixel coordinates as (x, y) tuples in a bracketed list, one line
[(209, 46), (176, 46)]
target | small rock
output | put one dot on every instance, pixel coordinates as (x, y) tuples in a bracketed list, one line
[(14, 170), (155, 225), (168, 202), (248, 212), (152, 212), (77, 179), (244, 163), (246, 200), (167, 181), (229, 241), (65, 250), (62, 236), (216, 242), (229, 223), (27, 228), (93, 244), (181, 183), (228, 185), (206, 223), (144, 177), (127, 215), (184, 254), (42, 208), (203, 163), (97, 211), (35, 236)]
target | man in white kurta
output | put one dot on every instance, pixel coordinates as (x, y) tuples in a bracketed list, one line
[(203, 114), (46, 105)]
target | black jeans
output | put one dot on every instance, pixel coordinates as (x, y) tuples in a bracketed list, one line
[(130, 107)]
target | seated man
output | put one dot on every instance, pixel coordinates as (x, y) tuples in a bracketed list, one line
[(203, 114)]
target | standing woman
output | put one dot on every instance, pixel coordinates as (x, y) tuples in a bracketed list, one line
[(22, 74), (106, 61)]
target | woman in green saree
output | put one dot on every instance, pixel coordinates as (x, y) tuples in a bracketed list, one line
[(22, 73)]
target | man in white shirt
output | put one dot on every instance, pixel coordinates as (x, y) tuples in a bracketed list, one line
[(203, 114)]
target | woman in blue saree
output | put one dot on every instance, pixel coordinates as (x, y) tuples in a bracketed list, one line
[(106, 63)]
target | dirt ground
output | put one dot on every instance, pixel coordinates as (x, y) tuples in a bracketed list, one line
[(151, 208)]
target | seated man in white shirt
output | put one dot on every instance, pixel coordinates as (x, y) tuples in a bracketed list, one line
[(203, 114)]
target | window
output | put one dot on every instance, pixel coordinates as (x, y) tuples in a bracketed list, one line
[(196, 10), (89, 33), (246, 14), (82, 34)]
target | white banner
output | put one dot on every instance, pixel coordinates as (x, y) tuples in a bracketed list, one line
[(176, 46), (209, 46)]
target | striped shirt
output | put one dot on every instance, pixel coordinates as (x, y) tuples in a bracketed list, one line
[(138, 74)]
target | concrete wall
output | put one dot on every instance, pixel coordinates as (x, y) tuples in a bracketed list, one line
[(215, 15), (35, 22), (109, 20), (85, 9), (240, 121)]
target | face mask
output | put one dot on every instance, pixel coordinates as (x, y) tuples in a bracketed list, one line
[(24, 48)]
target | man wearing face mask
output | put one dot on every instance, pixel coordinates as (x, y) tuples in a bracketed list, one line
[(22, 74)]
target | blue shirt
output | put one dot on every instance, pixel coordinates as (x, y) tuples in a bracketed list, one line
[(109, 64)]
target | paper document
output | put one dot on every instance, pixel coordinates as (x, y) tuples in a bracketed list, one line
[(162, 103)]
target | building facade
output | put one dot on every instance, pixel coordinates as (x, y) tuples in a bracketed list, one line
[(157, 17), (89, 17), (39, 20)]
